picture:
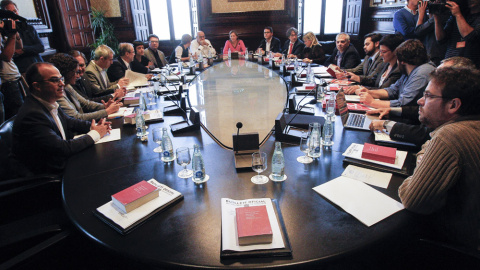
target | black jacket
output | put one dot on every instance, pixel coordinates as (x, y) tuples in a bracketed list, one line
[(297, 47), (350, 59), (117, 70), (275, 45)]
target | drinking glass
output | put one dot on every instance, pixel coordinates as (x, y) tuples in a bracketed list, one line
[(150, 96), (157, 138), (183, 159), (305, 159), (259, 164)]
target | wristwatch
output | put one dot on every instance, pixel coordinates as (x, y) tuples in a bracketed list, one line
[(385, 123)]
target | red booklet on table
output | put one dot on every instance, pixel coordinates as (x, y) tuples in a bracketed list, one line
[(379, 153), (134, 196), (253, 225), (357, 107)]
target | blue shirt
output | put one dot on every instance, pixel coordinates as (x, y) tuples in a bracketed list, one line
[(409, 88), (404, 22)]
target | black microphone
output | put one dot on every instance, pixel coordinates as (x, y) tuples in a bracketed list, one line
[(239, 126), (313, 101)]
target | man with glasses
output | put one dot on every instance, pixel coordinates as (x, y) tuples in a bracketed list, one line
[(96, 71), (153, 54), (344, 55), (117, 70), (85, 88), (43, 133), (293, 47), (445, 185), (270, 43), (201, 45)]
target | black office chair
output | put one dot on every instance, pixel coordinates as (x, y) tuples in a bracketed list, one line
[(32, 218)]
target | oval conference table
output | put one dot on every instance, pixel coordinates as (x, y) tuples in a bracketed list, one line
[(188, 233)]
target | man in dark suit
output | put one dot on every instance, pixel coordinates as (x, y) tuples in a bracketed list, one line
[(42, 133), (293, 47), (85, 88), (344, 55), (270, 43), (153, 54), (117, 70), (372, 63)]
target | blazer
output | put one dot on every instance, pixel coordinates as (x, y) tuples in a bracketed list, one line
[(392, 77), (37, 141), (417, 134), (86, 89), (76, 106), (297, 47), (275, 45), (117, 70), (367, 69), (92, 72), (151, 57), (140, 67), (315, 53), (350, 58)]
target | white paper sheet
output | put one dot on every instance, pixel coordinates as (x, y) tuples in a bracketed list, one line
[(363, 202), (114, 135), (121, 112), (229, 228), (352, 98), (165, 195), (355, 151), (371, 177), (136, 79)]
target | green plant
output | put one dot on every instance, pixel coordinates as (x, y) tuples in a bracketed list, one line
[(103, 31)]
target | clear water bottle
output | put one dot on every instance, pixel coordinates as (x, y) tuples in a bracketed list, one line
[(191, 63), (210, 54), (320, 92), (180, 66), (314, 140), (296, 67), (142, 102), (283, 59), (200, 57), (327, 133), (140, 124), (229, 54), (163, 77), (331, 104), (198, 166), (167, 146), (246, 52), (310, 78), (278, 163)]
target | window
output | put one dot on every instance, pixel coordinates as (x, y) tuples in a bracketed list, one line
[(171, 18), (322, 17)]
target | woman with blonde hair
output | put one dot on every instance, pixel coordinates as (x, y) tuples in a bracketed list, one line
[(313, 52), (234, 44)]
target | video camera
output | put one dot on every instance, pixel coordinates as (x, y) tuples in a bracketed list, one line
[(439, 6), (11, 23)]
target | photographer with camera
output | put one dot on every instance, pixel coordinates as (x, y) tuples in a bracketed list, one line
[(462, 31), (32, 45), (9, 74)]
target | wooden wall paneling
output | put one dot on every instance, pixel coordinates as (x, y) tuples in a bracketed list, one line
[(140, 19), (352, 17)]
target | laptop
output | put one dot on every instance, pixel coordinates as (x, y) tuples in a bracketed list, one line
[(352, 120)]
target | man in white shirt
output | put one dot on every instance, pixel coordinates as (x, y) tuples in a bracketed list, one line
[(202, 45), (42, 132)]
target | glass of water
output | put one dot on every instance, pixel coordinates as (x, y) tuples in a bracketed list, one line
[(157, 138), (304, 147), (259, 164), (150, 96), (183, 159)]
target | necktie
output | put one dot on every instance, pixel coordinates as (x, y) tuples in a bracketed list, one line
[(370, 62), (290, 48)]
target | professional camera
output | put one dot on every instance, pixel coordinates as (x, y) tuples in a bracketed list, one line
[(11, 23), (439, 6)]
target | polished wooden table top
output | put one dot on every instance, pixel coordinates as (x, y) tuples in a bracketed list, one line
[(188, 234)]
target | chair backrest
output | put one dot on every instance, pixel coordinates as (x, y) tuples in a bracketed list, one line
[(5, 148)]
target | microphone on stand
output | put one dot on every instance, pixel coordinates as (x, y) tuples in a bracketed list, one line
[(239, 126)]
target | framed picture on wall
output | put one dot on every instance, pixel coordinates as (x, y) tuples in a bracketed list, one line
[(377, 2), (391, 1)]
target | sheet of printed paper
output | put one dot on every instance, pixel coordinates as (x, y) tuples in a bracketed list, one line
[(114, 135), (229, 228), (136, 79), (371, 177), (363, 202), (355, 151)]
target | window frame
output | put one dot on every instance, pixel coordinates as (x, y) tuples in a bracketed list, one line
[(321, 35)]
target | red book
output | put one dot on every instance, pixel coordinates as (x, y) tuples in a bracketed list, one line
[(357, 107), (253, 225), (134, 196), (309, 86), (131, 100), (379, 153), (331, 72)]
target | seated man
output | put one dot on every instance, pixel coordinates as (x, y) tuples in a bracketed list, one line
[(117, 70), (413, 62), (445, 184), (407, 128), (85, 88), (153, 54), (293, 47), (96, 71), (42, 133), (270, 43), (72, 103), (182, 51), (372, 63), (201, 45), (344, 55)]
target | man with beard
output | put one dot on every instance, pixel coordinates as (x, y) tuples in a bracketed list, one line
[(345, 55), (413, 63), (462, 31), (85, 88), (445, 184), (372, 61)]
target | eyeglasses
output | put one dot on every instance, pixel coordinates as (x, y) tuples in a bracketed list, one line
[(55, 80), (428, 95), (153, 41)]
